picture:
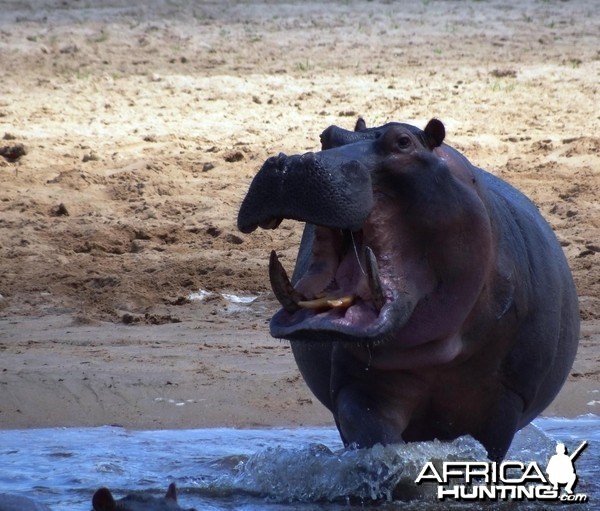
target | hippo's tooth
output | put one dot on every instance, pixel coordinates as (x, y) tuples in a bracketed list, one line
[(327, 302), (285, 293), (317, 303), (374, 281), (341, 303)]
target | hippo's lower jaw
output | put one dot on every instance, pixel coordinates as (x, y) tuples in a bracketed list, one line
[(341, 297), (357, 323)]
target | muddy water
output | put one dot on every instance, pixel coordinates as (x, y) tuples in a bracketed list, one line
[(273, 469)]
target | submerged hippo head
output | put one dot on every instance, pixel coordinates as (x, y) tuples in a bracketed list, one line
[(104, 501), (439, 299)]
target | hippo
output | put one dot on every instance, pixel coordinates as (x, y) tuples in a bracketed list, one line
[(429, 299), (104, 501)]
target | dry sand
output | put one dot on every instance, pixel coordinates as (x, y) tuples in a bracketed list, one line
[(142, 127)]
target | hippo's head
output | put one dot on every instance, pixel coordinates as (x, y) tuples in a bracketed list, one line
[(380, 205), (104, 501)]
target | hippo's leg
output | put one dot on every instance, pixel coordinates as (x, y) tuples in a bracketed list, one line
[(362, 422), (314, 362), (503, 420), (373, 406)]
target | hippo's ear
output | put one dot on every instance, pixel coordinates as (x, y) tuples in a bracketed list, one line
[(171, 493), (103, 500), (434, 133), (360, 124)]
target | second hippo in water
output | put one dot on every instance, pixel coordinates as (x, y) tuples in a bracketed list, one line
[(430, 299), (104, 501)]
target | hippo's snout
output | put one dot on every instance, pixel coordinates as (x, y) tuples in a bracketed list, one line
[(324, 188)]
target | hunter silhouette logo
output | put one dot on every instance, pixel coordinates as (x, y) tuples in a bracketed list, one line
[(561, 467), (509, 480)]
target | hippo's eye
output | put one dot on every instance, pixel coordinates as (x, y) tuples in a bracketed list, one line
[(403, 142)]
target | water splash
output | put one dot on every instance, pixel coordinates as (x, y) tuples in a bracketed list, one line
[(315, 473)]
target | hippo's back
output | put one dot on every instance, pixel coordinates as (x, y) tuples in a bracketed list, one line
[(546, 304)]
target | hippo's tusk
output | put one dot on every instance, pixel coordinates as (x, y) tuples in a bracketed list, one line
[(374, 280), (291, 300), (285, 293)]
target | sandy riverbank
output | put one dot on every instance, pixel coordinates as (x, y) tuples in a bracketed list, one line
[(142, 128)]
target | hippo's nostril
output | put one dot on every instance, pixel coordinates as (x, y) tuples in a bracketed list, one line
[(280, 159), (325, 138), (308, 158)]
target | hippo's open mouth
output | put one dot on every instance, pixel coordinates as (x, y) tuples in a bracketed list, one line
[(341, 296), (348, 284)]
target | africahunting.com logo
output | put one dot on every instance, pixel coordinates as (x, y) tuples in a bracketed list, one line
[(509, 480)]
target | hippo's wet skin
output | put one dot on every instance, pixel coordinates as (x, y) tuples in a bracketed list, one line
[(104, 501), (430, 299)]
